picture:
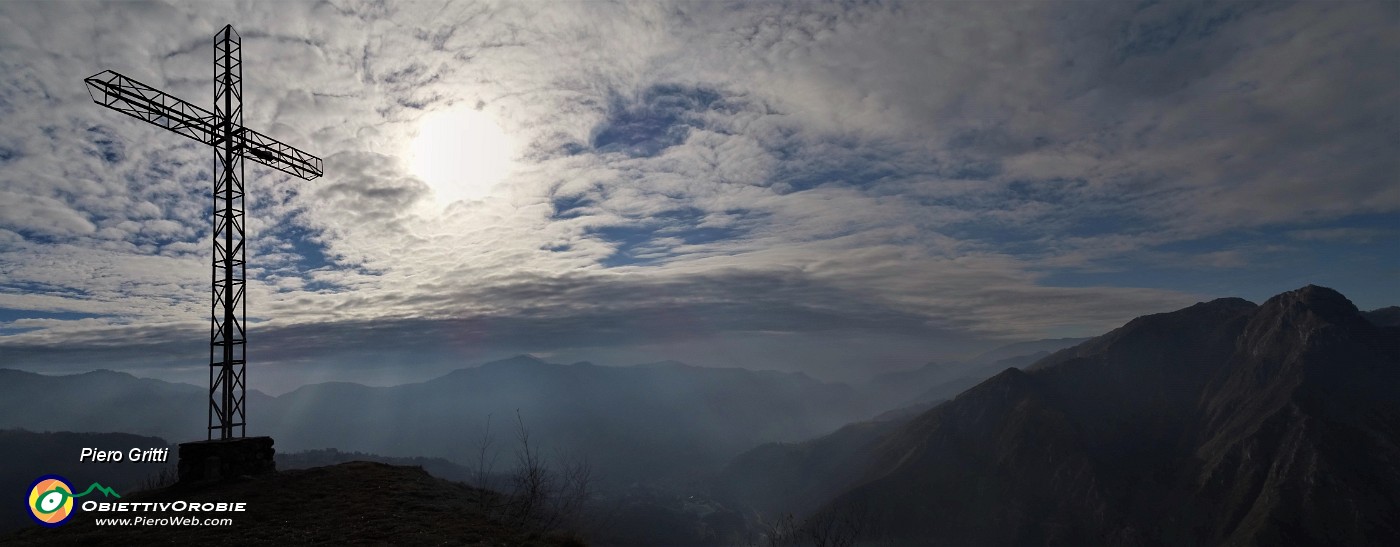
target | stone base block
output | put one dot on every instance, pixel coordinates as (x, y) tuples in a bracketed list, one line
[(223, 459)]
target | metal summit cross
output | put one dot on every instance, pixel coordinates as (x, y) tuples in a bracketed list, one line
[(222, 129)]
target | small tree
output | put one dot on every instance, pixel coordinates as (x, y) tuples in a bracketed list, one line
[(837, 526), (540, 496), (531, 481), (166, 476), (486, 500)]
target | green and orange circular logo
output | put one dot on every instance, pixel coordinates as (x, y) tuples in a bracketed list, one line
[(51, 500)]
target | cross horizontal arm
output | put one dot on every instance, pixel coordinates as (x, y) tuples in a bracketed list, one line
[(161, 109), (280, 156), (149, 104)]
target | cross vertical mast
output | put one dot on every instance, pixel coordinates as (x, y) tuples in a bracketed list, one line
[(227, 346), (223, 130)]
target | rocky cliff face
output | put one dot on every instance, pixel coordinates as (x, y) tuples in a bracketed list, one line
[(1298, 436), (1222, 423)]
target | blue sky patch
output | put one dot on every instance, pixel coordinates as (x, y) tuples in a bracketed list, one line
[(660, 118), (653, 239), (310, 252), (10, 314), (1184, 23), (109, 147), (569, 206)]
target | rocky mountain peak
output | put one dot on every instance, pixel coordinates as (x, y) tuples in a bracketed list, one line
[(1325, 304), (1306, 321)]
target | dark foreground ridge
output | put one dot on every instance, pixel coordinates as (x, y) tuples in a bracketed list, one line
[(355, 502)]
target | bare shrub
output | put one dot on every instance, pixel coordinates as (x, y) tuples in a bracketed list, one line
[(486, 499), (565, 504), (167, 476), (541, 496), (531, 482), (840, 526), (783, 532)]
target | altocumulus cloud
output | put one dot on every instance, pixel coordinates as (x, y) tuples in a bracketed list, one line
[(809, 186)]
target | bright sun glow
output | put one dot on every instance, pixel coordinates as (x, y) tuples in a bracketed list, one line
[(462, 154)]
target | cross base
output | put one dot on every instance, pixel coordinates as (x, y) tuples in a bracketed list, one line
[(225, 459)]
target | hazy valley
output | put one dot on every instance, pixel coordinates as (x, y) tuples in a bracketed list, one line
[(1224, 422)]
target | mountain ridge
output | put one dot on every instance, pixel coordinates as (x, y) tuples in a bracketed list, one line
[(1224, 422), (1142, 435), (634, 422)]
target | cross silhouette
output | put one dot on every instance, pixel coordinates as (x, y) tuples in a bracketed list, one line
[(222, 129)]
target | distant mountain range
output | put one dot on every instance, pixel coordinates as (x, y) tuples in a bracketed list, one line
[(1384, 317), (666, 421), (104, 401), (908, 392), (1221, 423), (653, 422), (663, 421)]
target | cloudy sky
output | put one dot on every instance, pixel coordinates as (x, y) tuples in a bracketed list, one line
[(834, 188)]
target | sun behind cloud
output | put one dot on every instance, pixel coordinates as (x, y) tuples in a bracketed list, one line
[(461, 153)]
